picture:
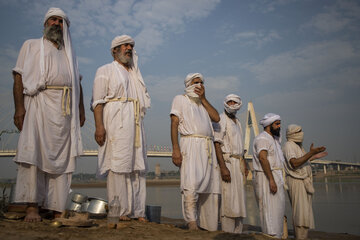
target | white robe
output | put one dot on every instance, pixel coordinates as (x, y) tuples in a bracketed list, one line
[(198, 173), (47, 137), (297, 179), (119, 153), (271, 206), (229, 135)]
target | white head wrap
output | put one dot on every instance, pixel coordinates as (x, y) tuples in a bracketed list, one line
[(192, 76), (232, 109), (56, 12), (189, 90), (123, 39), (294, 133), (269, 118)]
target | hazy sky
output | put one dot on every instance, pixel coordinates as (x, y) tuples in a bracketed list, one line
[(300, 59)]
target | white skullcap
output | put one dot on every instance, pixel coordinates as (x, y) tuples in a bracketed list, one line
[(123, 39), (56, 12), (269, 118), (293, 128), (192, 76)]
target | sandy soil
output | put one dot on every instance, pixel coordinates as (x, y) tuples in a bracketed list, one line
[(169, 229)]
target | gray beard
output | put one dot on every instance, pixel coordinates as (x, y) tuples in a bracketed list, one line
[(54, 34), (124, 59)]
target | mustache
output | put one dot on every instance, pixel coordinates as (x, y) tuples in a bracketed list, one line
[(128, 51)]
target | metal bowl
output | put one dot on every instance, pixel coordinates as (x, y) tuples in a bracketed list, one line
[(73, 206), (97, 206), (85, 206), (79, 198)]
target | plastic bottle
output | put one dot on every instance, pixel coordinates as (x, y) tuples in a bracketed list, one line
[(114, 211)]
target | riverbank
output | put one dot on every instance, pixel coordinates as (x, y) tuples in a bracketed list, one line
[(168, 229)]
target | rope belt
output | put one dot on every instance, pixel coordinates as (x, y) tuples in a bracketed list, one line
[(136, 115), (208, 143), (227, 156), (65, 98)]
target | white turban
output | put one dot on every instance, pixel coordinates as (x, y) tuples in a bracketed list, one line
[(192, 76), (233, 108), (294, 133), (269, 118), (123, 39), (56, 12)]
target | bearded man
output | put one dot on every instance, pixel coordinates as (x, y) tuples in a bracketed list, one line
[(191, 115), (229, 151), (49, 111), (120, 100), (268, 162), (299, 179)]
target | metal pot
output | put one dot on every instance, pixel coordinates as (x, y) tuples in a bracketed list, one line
[(73, 206), (85, 206), (79, 198), (97, 206)]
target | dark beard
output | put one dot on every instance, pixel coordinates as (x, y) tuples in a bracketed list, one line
[(275, 132), (54, 34)]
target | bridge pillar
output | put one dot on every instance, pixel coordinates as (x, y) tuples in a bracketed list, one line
[(324, 169), (338, 167)]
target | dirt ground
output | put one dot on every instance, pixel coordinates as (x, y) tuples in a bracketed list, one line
[(168, 229)]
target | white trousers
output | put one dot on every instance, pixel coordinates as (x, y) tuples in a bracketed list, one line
[(131, 189), (202, 208), (232, 225), (49, 191)]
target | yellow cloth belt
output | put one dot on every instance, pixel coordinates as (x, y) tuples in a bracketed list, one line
[(136, 115), (65, 98), (208, 144)]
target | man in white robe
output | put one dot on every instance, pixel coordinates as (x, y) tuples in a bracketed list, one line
[(299, 179), (49, 111), (229, 151), (120, 100), (268, 164), (191, 115)]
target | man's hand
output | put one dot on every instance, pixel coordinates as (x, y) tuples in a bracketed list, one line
[(82, 117), (317, 150), (200, 91), (246, 171), (273, 187), (319, 155), (177, 157), (19, 118), (100, 135), (225, 174)]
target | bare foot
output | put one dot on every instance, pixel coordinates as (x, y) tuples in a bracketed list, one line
[(57, 214), (32, 214), (125, 218), (193, 226), (142, 219)]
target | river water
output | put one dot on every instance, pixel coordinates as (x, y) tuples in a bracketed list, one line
[(336, 203)]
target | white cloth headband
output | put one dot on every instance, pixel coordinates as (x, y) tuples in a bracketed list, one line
[(269, 118), (191, 76), (56, 12), (123, 39)]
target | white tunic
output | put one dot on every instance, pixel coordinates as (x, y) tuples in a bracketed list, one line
[(271, 206), (45, 140), (198, 172), (119, 153), (229, 135)]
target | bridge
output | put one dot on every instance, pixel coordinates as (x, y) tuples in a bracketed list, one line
[(166, 152)]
